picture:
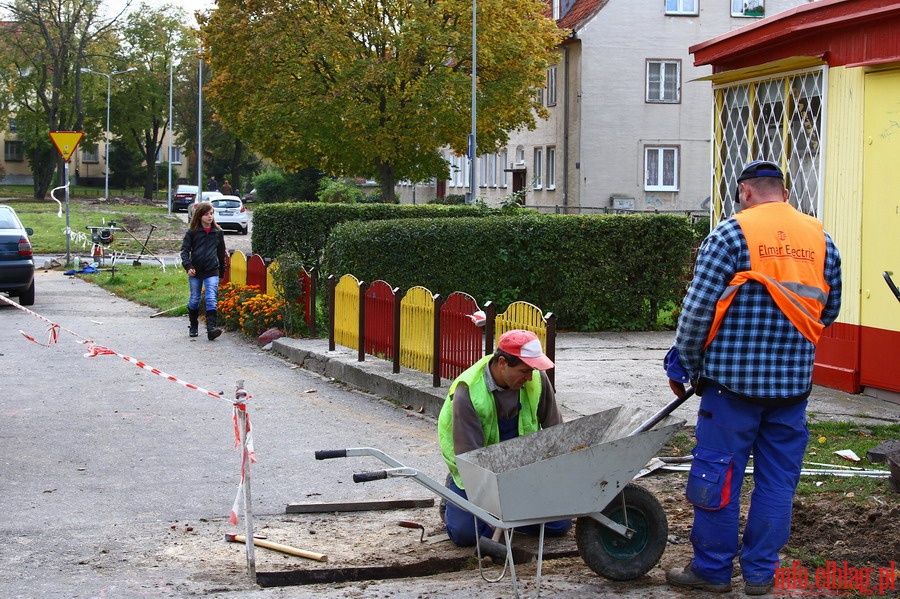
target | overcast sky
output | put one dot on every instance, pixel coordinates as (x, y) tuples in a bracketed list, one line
[(189, 6)]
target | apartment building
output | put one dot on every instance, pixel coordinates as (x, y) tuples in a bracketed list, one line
[(630, 118)]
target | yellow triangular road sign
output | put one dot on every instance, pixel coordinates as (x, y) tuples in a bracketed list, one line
[(66, 142)]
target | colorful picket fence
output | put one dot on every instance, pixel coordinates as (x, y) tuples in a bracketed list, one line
[(423, 331)]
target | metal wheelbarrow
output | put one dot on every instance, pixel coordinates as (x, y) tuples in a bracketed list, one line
[(579, 469)]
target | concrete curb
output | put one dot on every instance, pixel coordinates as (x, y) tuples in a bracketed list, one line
[(375, 376)]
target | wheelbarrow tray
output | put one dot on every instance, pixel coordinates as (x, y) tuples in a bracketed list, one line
[(573, 469)]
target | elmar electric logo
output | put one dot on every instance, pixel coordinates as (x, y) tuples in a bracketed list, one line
[(835, 579)]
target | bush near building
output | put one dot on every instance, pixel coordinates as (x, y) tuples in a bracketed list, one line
[(601, 272)]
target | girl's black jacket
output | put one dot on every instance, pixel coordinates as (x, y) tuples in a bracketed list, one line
[(204, 251)]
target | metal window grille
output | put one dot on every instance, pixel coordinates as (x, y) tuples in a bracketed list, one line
[(778, 118)]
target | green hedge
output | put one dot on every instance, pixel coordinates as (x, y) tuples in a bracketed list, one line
[(601, 272), (303, 228)]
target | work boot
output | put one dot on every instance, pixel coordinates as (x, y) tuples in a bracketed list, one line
[(685, 578), (194, 316), (759, 589), (212, 331)]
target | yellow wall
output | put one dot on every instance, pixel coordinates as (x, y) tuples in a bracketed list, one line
[(843, 194)]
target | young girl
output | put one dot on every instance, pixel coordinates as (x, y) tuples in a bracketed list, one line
[(203, 257)]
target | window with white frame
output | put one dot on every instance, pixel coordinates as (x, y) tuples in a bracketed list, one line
[(491, 180), (538, 168), (682, 7), (660, 168), (14, 151), (664, 81), (90, 153), (551, 86), (539, 96), (176, 155), (748, 8), (520, 154), (551, 168), (504, 156)]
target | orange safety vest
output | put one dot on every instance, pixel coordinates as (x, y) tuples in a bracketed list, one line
[(787, 256)]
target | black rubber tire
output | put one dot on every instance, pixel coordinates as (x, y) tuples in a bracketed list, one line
[(26, 298), (613, 556)]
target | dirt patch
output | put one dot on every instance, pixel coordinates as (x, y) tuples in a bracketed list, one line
[(824, 529)]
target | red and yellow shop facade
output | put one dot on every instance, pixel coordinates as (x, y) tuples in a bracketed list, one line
[(817, 89)]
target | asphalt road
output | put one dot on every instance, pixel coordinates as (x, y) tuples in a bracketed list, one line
[(101, 458)]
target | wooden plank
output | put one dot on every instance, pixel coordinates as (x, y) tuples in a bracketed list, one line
[(357, 506)]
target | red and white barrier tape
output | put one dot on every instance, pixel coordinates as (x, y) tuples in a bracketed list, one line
[(94, 350)]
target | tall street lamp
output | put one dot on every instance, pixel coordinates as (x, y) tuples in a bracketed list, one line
[(109, 77)]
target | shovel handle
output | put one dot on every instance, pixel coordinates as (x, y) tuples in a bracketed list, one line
[(327, 454), (887, 279), (661, 415)]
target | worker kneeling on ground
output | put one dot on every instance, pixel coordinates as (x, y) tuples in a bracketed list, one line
[(504, 395)]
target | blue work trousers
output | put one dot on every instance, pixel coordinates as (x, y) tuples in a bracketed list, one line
[(461, 524), (728, 429), (211, 287)]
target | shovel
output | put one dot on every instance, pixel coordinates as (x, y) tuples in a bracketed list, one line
[(137, 261)]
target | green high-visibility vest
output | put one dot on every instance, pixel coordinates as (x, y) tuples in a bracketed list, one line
[(483, 402)]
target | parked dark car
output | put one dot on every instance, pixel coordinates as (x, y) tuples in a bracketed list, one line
[(16, 259), (184, 197), (250, 196)]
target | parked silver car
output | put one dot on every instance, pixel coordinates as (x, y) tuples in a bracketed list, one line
[(16, 259)]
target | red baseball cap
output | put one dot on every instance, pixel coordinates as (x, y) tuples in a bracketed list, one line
[(526, 346)]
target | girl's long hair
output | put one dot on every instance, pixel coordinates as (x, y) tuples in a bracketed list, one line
[(199, 210)]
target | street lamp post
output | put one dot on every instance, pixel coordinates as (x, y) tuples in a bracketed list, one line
[(109, 77)]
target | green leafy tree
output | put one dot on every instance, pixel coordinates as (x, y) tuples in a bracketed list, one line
[(375, 87), (151, 38), (43, 48)]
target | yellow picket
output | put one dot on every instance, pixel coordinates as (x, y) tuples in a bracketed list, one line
[(346, 312), (238, 269), (521, 315), (417, 329)]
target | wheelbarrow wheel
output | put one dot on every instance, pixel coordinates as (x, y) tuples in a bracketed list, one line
[(615, 557)]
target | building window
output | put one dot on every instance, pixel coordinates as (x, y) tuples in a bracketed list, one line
[(176, 155), (90, 153), (520, 154), (660, 168), (492, 170), (748, 8), (538, 166), (551, 168), (504, 156), (551, 86), (664, 81), (13, 126), (682, 7), (539, 96), (14, 151)]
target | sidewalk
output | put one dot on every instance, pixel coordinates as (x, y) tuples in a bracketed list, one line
[(594, 372)]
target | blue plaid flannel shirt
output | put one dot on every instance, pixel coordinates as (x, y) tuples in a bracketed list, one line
[(757, 352)]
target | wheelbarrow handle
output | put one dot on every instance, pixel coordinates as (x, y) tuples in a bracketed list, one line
[(364, 477), (327, 454)]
